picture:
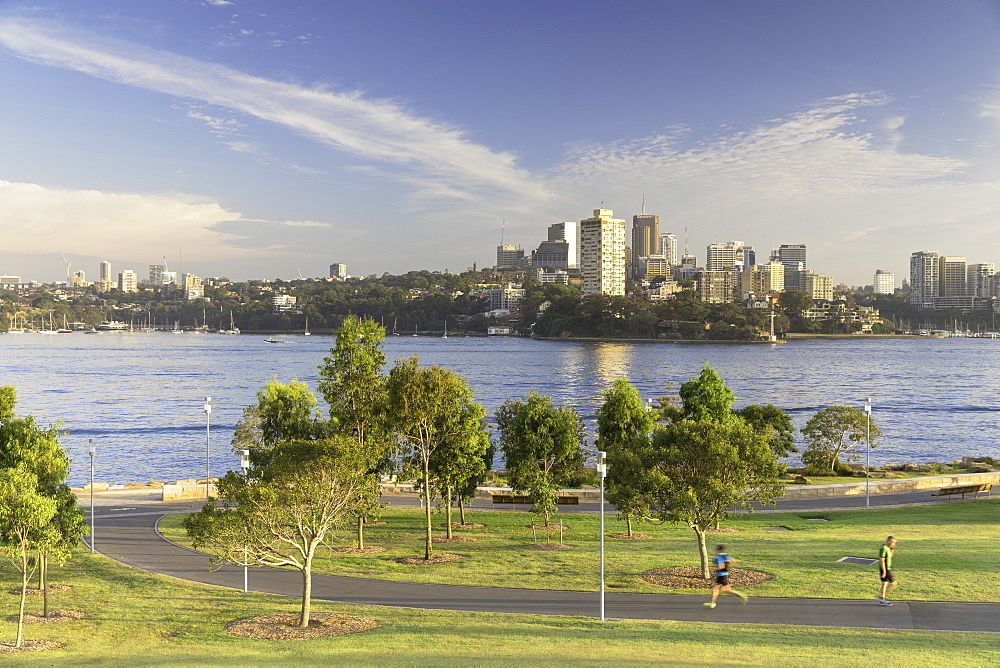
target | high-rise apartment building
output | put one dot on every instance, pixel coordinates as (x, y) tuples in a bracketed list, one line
[(193, 288), (602, 254), (128, 281), (338, 270), (924, 267), (714, 287), (819, 286), (156, 274), (763, 279), (645, 238), (722, 256), (668, 247), (105, 272), (979, 279), (884, 282), (951, 276)]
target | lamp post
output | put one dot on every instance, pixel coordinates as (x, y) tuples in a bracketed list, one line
[(868, 449), (92, 449), (208, 451), (245, 465), (602, 471)]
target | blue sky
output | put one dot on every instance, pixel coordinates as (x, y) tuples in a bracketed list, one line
[(260, 139)]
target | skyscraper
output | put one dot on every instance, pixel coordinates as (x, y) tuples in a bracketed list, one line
[(645, 236), (668, 247), (128, 281), (951, 276), (510, 256), (979, 279), (602, 254), (105, 273), (885, 282), (924, 266), (338, 270)]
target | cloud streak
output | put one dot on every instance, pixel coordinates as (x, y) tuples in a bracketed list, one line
[(377, 130)]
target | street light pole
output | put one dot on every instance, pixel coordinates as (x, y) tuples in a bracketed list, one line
[(868, 450), (245, 465), (602, 471), (208, 451), (92, 449)]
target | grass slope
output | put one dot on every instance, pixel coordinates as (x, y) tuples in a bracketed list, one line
[(138, 619), (941, 553)]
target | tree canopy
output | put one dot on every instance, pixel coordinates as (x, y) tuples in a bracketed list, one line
[(835, 432)]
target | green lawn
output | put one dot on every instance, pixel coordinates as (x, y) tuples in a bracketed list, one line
[(135, 619), (942, 552)]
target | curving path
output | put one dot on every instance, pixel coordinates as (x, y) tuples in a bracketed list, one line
[(126, 532)]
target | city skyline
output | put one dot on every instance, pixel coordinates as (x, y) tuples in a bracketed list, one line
[(256, 140)]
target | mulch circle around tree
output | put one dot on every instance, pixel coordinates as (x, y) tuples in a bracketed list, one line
[(33, 591), (454, 539), (547, 547), (435, 559), (55, 616), (724, 530), (29, 646), (467, 525), (370, 524), (371, 549), (689, 577), (551, 527), (635, 536), (285, 626)]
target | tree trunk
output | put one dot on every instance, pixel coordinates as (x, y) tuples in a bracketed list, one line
[(24, 594), (628, 523), (448, 533), (428, 549), (461, 510), (703, 553), (306, 593), (43, 581), (361, 532)]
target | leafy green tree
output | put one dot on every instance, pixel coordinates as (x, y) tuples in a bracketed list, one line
[(461, 456), (623, 429), (769, 419), (282, 413), (433, 410), (281, 513), (794, 302), (25, 526), (541, 445), (353, 382), (467, 491), (36, 449), (707, 462), (836, 432)]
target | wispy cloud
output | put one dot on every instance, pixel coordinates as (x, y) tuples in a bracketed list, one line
[(376, 130)]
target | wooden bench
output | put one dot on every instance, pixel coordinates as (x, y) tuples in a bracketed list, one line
[(966, 489), (526, 500)]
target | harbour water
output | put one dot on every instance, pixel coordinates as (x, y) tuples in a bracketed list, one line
[(141, 396)]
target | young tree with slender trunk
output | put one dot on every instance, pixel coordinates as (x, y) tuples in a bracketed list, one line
[(25, 526), (835, 432), (432, 410), (353, 382), (281, 513), (624, 425), (541, 445)]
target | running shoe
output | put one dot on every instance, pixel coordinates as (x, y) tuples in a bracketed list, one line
[(884, 602), (709, 605), (744, 598)]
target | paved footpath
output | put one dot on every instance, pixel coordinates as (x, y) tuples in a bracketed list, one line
[(126, 532)]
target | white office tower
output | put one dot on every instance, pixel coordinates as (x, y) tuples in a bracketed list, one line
[(569, 232), (979, 279), (105, 273), (884, 283), (193, 288), (924, 267), (602, 254), (156, 274), (668, 248)]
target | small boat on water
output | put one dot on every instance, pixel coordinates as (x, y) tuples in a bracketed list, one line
[(113, 326), (271, 339)]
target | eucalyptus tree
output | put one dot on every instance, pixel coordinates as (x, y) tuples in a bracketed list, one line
[(283, 412), (283, 511), (624, 425), (353, 382), (26, 525), (835, 432), (542, 448), (771, 420), (461, 459), (707, 462), (433, 415)]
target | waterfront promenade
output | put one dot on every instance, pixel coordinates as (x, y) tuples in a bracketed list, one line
[(126, 532)]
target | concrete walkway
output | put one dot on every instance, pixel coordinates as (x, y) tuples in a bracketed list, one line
[(126, 532)]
